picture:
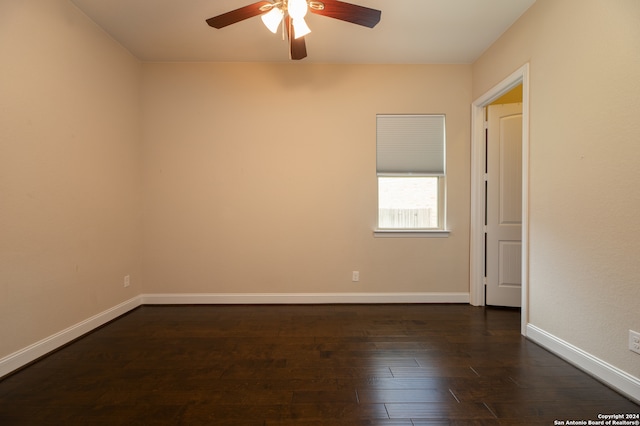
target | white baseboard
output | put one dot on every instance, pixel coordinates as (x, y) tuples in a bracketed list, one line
[(301, 298), (620, 380), (32, 352)]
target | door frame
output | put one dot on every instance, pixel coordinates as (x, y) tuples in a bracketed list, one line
[(477, 248)]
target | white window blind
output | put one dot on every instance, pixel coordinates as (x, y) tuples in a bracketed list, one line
[(410, 145)]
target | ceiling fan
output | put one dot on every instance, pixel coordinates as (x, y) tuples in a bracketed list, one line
[(292, 12)]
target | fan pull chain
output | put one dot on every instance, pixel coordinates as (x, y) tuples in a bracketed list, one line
[(284, 22)]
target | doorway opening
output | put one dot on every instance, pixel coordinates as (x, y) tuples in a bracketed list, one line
[(478, 200)]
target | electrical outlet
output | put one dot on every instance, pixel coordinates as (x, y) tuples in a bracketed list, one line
[(127, 280), (355, 276), (634, 341)]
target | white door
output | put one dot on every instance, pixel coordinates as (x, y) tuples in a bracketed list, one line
[(504, 206)]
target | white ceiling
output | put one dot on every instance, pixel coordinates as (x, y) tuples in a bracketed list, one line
[(410, 31)]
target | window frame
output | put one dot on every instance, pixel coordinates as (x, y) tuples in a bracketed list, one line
[(441, 229)]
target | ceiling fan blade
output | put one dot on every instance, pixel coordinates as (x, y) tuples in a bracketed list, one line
[(238, 15), (349, 12), (297, 46)]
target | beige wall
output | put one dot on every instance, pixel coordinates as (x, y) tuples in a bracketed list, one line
[(584, 148), (260, 178), (69, 179)]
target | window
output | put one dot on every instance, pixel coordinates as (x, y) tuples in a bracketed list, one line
[(411, 172)]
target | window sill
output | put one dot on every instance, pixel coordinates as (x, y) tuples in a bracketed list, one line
[(411, 233)]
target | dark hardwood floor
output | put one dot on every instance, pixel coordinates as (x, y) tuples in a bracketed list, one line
[(306, 365)]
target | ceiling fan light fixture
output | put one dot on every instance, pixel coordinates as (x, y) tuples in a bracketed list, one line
[(300, 28), (297, 9), (272, 19)]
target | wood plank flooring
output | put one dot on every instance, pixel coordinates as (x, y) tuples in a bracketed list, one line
[(306, 365)]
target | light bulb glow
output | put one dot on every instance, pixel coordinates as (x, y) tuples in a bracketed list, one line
[(272, 19), (297, 9), (300, 28)]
